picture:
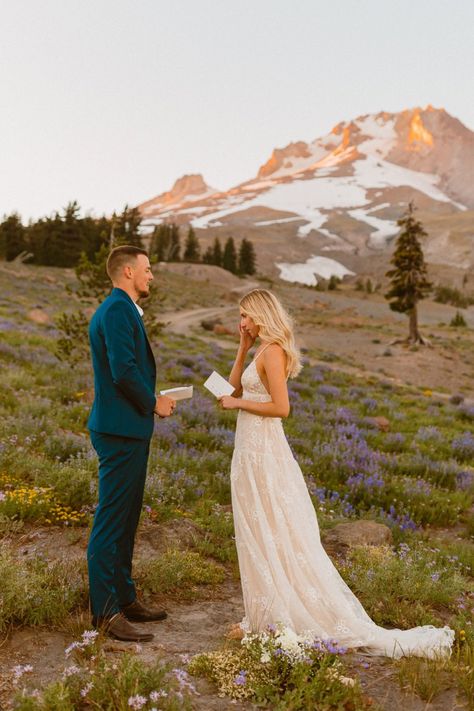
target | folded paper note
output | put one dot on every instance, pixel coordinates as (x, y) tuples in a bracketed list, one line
[(218, 385), (182, 393)]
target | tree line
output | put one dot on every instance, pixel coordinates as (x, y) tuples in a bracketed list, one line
[(165, 246), (60, 240), (66, 238)]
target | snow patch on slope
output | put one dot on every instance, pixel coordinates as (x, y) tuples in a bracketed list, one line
[(305, 272)]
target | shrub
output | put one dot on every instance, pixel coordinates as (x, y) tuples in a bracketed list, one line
[(182, 573), (458, 321), (284, 671), (404, 588), (96, 681), (34, 592)]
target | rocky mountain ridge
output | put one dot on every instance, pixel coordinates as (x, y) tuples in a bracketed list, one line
[(343, 192)]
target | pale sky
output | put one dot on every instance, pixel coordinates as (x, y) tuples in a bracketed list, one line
[(109, 101)]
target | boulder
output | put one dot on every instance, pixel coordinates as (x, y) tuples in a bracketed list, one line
[(339, 539), (38, 316), (221, 330), (210, 324), (379, 422)]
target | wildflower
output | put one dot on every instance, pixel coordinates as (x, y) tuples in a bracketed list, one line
[(241, 678), (265, 657), (462, 635), (157, 695), (183, 680), (347, 680), (70, 671), (88, 687), (137, 702), (19, 670), (89, 636), (72, 647), (435, 577)]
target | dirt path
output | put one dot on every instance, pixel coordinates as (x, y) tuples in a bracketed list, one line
[(430, 368), (181, 322)]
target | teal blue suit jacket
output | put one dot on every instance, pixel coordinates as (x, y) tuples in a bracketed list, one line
[(124, 370)]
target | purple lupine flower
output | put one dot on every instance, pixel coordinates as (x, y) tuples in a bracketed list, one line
[(241, 678)]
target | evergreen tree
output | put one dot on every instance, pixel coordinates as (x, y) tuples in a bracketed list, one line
[(208, 256), (165, 243), (217, 257), (409, 282), (229, 259), (69, 236), (247, 258), (157, 243), (191, 247), (175, 243), (126, 227), (12, 237)]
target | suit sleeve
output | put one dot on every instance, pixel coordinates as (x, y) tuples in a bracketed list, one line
[(119, 334)]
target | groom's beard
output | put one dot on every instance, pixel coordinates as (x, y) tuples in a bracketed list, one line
[(143, 294)]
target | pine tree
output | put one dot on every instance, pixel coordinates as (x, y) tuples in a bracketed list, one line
[(165, 243), (191, 247), (409, 281), (217, 257), (12, 237), (126, 227), (247, 258), (229, 259), (175, 244), (208, 256)]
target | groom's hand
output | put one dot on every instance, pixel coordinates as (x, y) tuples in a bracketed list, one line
[(164, 406)]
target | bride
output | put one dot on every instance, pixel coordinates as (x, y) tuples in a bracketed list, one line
[(286, 575)]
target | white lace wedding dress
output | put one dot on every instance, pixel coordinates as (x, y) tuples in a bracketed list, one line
[(286, 575)]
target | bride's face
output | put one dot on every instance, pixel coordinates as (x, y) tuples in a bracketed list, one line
[(248, 325)]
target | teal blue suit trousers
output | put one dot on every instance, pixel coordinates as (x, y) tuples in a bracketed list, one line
[(122, 473)]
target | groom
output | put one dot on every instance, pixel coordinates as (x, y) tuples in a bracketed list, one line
[(121, 425)]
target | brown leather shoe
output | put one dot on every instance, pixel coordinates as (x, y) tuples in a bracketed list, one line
[(137, 612), (119, 627)]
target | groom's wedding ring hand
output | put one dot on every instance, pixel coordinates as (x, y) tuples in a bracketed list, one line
[(165, 406)]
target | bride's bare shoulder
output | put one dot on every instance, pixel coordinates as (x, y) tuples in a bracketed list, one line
[(273, 352)]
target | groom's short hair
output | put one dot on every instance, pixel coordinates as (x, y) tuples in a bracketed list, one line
[(119, 257)]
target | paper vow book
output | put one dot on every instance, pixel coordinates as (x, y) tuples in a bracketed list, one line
[(182, 393), (218, 385)]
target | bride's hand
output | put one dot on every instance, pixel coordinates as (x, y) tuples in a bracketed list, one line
[(246, 340), (227, 402)]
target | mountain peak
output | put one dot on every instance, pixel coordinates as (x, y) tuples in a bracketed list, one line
[(188, 188), (282, 158)]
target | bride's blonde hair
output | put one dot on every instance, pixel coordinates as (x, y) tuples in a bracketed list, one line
[(275, 325)]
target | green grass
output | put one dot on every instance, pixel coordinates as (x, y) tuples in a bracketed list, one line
[(182, 574), (37, 592)]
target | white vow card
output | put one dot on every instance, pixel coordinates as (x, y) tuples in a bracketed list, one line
[(218, 385), (182, 393)]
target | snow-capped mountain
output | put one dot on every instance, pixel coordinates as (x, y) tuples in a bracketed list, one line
[(342, 192)]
